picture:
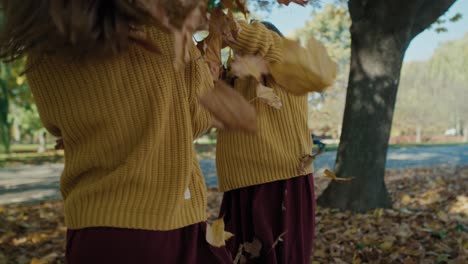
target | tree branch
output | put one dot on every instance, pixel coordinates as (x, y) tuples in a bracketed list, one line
[(429, 12)]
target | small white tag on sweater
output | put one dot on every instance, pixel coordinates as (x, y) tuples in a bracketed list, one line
[(187, 194)]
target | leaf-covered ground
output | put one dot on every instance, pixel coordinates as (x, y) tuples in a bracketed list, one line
[(429, 224)]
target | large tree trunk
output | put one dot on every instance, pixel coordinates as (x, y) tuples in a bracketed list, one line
[(376, 62), (380, 34)]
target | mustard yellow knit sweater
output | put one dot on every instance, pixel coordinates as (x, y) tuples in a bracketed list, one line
[(128, 123), (283, 137)]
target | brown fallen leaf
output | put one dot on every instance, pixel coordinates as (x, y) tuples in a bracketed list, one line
[(253, 248), (304, 70), (267, 95), (49, 259), (332, 176), (215, 234), (230, 108)]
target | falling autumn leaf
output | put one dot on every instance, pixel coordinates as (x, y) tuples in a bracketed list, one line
[(230, 4), (244, 66), (267, 95), (332, 176), (278, 240), (230, 108), (215, 234), (307, 161), (304, 70), (223, 24), (234, 5), (180, 17), (213, 54)]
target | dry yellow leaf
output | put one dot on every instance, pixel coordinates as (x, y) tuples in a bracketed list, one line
[(230, 108), (215, 234), (406, 199), (356, 259), (304, 70), (386, 245), (378, 213), (320, 253), (267, 95), (443, 216), (306, 162), (49, 259), (332, 176)]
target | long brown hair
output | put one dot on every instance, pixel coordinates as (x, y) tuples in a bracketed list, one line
[(72, 27)]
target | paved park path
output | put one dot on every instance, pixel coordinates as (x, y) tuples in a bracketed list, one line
[(40, 182)]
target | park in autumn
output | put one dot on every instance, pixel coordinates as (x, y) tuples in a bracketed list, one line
[(386, 87)]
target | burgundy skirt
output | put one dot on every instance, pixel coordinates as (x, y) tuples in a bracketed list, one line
[(278, 218), (129, 246)]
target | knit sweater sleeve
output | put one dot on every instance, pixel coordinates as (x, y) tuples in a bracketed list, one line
[(42, 102), (255, 39), (199, 81)]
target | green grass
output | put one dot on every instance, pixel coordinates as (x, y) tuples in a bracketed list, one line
[(15, 148), (22, 154)]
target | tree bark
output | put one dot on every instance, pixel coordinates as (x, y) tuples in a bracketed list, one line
[(376, 62)]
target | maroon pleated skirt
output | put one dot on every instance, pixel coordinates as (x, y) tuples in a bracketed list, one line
[(278, 216), (104, 245)]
